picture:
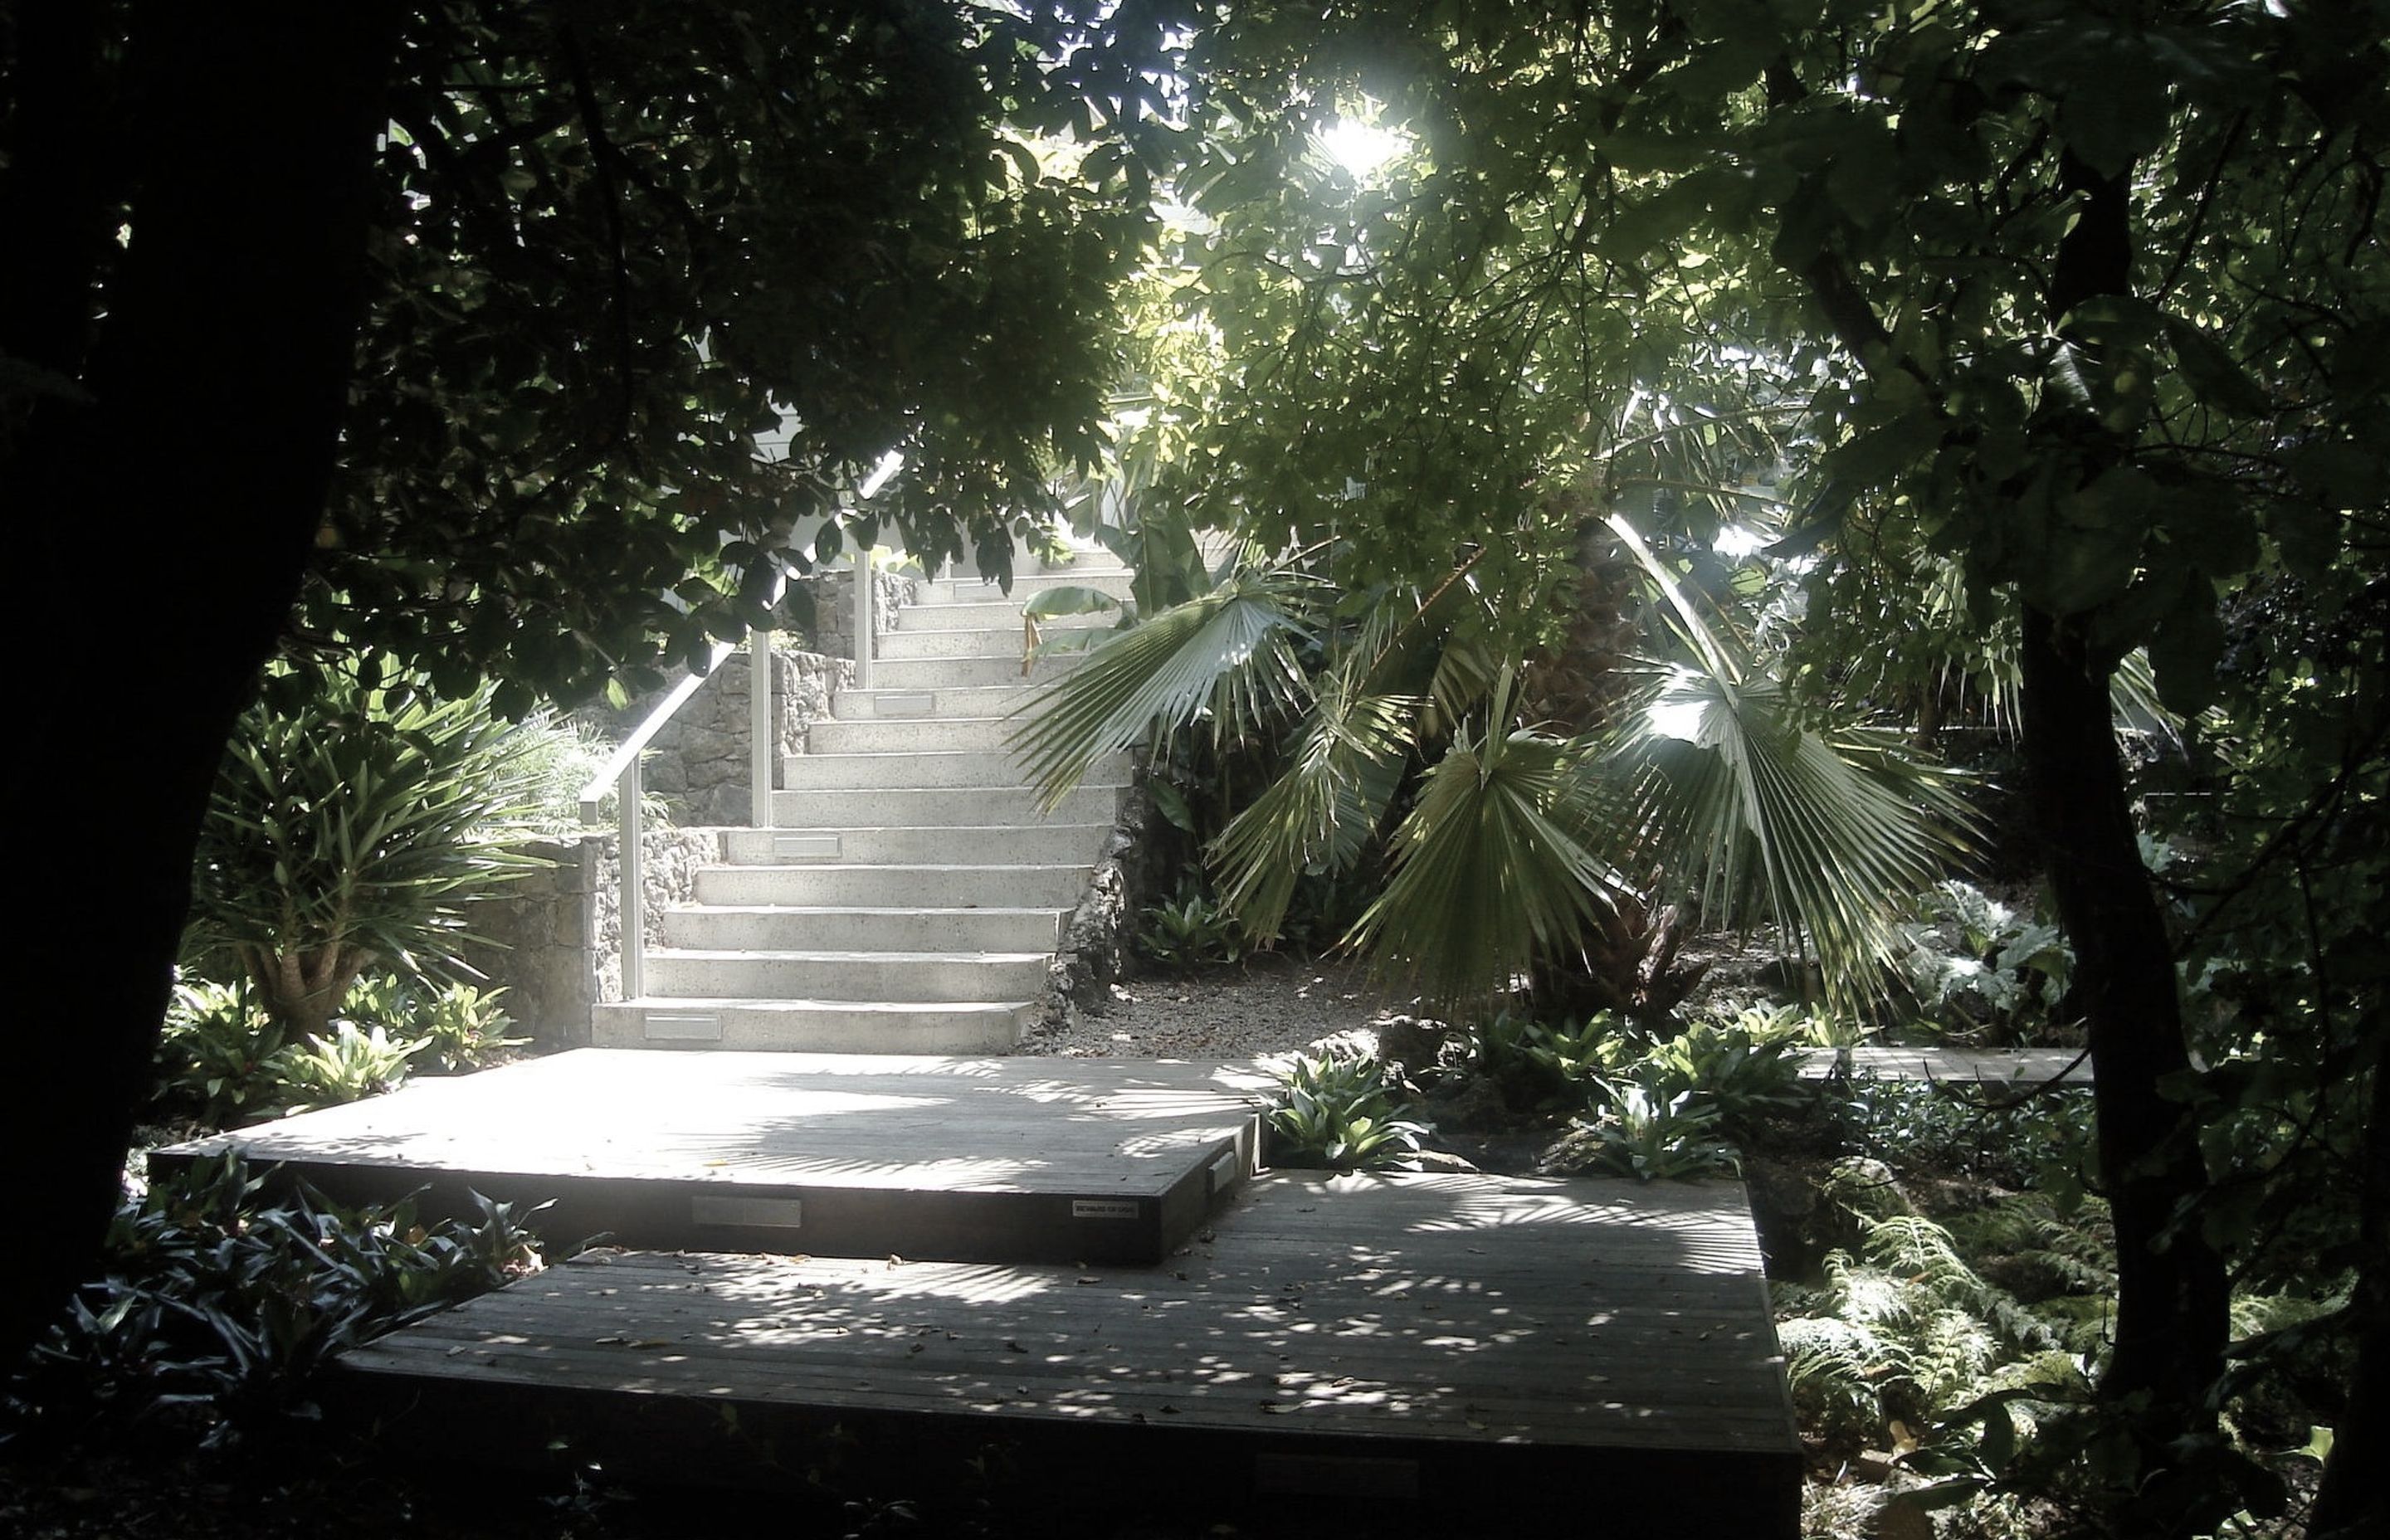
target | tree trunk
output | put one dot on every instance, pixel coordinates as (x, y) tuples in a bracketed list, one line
[(2171, 1297), (2355, 1499), (171, 515)]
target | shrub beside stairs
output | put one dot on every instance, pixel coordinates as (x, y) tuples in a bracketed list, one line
[(911, 898)]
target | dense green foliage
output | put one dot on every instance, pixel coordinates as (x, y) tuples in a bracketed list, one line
[(349, 824), (221, 1298), (2054, 330), (656, 286), (223, 1062), (1336, 1111)]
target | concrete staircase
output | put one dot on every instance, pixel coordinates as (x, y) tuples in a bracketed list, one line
[(911, 898)]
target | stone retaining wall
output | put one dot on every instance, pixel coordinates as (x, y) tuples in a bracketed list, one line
[(553, 936), (1098, 934), (832, 634), (697, 765)]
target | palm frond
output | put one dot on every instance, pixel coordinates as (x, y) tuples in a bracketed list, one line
[(1225, 652), (1324, 810), (1819, 834), (1486, 871)]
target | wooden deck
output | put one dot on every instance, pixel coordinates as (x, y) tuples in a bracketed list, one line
[(1493, 1354), (989, 1160)]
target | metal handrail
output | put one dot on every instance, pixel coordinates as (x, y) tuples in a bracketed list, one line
[(621, 773)]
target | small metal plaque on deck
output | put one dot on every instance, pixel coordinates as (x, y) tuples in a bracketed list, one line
[(664, 1026), (1103, 1208), (904, 703), (804, 847), (1227, 1170), (767, 1213)]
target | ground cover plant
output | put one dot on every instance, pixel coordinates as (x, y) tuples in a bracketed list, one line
[(223, 1296)]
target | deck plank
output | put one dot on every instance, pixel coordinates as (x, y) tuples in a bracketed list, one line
[(1470, 1329), (2012, 1068), (1022, 1159)]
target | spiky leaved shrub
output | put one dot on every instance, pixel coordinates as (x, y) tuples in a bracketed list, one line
[(1334, 1110), (351, 820)]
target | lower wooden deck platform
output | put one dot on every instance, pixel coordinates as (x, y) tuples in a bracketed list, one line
[(2015, 1068), (989, 1159), (1492, 1355)]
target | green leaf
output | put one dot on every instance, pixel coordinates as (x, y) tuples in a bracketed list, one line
[(2214, 376), (1171, 804)]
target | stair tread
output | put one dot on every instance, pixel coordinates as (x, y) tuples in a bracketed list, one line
[(942, 829), (835, 954), (783, 1003), (882, 911), (1040, 866)]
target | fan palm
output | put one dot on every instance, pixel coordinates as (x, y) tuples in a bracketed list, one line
[(1511, 843)]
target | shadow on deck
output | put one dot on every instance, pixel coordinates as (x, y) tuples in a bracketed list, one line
[(1480, 1353)]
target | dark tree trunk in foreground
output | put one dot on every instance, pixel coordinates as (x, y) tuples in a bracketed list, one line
[(173, 511), (2171, 1297), (2355, 1499)]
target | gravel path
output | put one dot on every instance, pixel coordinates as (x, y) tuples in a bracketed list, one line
[(1272, 1006)]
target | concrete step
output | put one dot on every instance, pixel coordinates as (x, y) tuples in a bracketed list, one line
[(884, 705), (981, 844), (951, 672), (1113, 578), (991, 615), (960, 768), (997, 642), (812, 1026), (934, 885), (929, 806), (768, 927), (901, 734), (827, 974)]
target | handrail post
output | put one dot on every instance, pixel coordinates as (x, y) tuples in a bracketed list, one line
[(763, 743), (633, 906), (865, 636)]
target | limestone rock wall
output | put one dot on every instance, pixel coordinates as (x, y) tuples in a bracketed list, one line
[(553, 936), (833, 633), (1098, 934), (533, 936), (697, 766)]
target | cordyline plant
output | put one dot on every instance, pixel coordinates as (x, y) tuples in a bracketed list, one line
[(350, 822)]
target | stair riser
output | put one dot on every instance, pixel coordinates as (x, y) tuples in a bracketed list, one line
[(939, 673), (966, 1030), (936, 807), (912, 705), (910, 646), (988, 769), (1115, 582), (1035, 845), (887, 887), (991, 615), (894, 977), (979, 931), (920, 735)]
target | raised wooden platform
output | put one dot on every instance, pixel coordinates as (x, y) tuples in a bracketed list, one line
[(2007, 1066), (853, 1155), (1487, 1354)]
